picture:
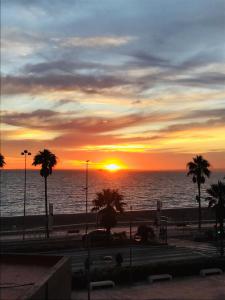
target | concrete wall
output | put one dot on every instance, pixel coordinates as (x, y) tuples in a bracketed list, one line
[(179, 214), (55, 285)]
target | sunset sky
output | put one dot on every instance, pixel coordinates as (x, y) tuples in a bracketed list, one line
[(138, 83)]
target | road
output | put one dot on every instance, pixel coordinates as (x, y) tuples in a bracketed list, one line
[(141, 255)]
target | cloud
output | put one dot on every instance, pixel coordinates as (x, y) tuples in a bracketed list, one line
[(53, 120), (64, 66), (34, 84), (93, 42), (145, 59), (178, 77), (70, 122), (212, 79), (63, 102)]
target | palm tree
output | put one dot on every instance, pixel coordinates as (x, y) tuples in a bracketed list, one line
[(108, 203), (217, 201), (2, 161), (199, 168), (47, 160)]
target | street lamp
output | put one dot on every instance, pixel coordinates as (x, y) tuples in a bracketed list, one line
[(86, 195), (86, 229), (25, 153), (130, 260)]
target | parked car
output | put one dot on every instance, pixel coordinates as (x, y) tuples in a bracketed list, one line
[(98, 236), (108, 259)]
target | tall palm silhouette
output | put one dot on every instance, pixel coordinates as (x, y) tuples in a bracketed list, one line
[(199, 168), (217, 201), (108, 203), (47, 160), (2, 161)]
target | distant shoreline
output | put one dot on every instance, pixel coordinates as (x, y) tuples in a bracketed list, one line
[(173, 214)]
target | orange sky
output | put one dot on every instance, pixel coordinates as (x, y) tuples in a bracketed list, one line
[(142, 87), (136, 161)]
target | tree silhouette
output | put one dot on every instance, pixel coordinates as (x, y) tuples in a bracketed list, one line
[(2, 161), (199, 168), (217, 201), (146, 233), (47, 160), (108, 203)]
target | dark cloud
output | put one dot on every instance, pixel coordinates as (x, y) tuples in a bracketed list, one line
[(208, 80), (136, 102), (172, 77), (72, 122), (144, 59), (34, 84), (97, 83), (62, 102), (40, 118), (64, 66), (215, 118), (52, 120), (207, 113)]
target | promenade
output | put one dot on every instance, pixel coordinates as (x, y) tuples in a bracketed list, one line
[(66, 221), (186, 288)]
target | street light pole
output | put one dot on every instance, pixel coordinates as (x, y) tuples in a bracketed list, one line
[(86, 195), (25, 153), (130, 265), (86, 230)]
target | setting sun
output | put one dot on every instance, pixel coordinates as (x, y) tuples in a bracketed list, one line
[(112, 167)]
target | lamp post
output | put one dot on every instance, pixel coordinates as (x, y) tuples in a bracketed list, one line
[(130, 262), (25, 153), (86, 230), (86, 195)]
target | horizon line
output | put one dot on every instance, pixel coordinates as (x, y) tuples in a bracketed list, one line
[(92, 169)]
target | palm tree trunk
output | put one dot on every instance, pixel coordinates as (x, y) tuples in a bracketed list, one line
[(199, 208), (108, 230), (46, 209), (221, 226), (221, 237)]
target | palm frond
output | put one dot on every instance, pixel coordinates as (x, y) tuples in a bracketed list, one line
[(47, 160), (110, 198), (2, 161)]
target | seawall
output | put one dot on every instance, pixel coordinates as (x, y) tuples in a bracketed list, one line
[(174, 215)]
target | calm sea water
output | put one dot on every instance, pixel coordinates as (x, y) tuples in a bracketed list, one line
[(66, 190)]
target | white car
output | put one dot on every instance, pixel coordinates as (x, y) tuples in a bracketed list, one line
[(108, 259)]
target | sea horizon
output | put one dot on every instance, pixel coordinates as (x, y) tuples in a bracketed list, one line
[(99, 169), (66, 189)]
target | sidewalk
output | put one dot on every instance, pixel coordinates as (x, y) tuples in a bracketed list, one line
[(189, 288)]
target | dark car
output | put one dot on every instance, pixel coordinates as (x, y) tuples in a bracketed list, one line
[(98, 236)]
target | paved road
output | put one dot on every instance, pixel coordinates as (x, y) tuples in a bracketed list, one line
[(141, 255), (63, 231), (205, 249)]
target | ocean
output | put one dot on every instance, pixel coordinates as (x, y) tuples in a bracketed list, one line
[(66, 190)]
